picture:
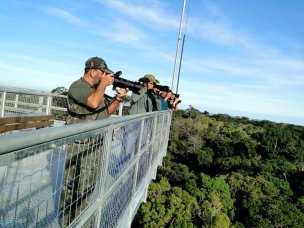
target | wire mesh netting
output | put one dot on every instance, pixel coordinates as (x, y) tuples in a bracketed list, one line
[(81, 177), (50, 184), (89, 177), (118, 200)]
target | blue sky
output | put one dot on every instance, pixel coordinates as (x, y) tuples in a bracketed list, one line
[(242, 58)]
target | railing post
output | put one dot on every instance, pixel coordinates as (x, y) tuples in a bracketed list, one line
[(48, 105), (153, 139), (3, 103), (167, 130), (120, 109), (107, 143), (137, 156), (16, 101), (40, 104)]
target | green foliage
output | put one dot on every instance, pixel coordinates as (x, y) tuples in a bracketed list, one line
[(280, 140), (276, 212), (300, 204), (167, 207), (178, 174), (261, 203), (191, 112), (216, 203), (282, 184), (222, 171)]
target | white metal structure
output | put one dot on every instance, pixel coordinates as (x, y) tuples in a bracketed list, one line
[(23, 101), (121, 154)]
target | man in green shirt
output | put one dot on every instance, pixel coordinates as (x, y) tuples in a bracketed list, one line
[(86, 102)]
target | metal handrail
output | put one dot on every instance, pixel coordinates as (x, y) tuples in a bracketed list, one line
[(9, 143), (24, 91), (35, 167), (15, 101)]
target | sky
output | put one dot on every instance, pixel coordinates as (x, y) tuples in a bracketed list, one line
[(241, 58)]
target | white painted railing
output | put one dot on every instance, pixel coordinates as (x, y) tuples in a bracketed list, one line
[(42, 183), (15, 101)]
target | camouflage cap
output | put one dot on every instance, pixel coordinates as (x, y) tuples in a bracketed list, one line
[(97, 63), (149, 78)]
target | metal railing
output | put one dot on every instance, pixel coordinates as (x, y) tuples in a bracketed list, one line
[(15, 101), (91, 174)]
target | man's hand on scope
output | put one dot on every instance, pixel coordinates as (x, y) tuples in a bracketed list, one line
[(121, 92), (176, 101), (107, 79), (168, 96)]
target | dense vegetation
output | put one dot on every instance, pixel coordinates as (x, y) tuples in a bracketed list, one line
[(228, 172)]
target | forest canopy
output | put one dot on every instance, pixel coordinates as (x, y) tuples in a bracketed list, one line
[(223, 171)]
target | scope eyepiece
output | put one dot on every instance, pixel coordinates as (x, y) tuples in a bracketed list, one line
[(117, 74)]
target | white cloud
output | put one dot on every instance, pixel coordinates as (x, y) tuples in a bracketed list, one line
[(277, 72), (129, 34), (35, 73), (124, 32), (243, 98), (18, 60), (225, 34), (143, 12), (69, 17), (38, 79)]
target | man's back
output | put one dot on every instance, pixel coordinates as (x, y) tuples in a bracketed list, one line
[(78, 110)]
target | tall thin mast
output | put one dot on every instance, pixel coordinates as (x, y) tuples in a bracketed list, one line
[(180, 63), (178, 45)]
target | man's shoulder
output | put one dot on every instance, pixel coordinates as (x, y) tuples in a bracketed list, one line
[(158, 96), (78, 82)]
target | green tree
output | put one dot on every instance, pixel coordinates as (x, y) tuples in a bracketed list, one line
[(215, 202), (167, 207), (222, 171), (178, 174), (262, 202)]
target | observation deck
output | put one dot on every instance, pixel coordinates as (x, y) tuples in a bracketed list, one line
[(119, 157)]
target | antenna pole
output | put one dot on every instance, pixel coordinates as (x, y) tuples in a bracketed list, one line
[(178, 44), (180, 63)]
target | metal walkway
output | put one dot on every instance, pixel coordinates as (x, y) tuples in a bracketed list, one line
[(92, 174)]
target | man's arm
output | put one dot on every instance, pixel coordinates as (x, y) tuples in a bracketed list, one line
[(118, 98), (168, 95), (175, 103)]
